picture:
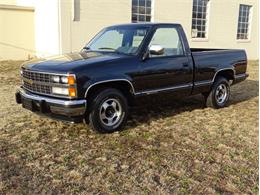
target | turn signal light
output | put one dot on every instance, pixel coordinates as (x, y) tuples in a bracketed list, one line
[(71, 80), (72, 92)]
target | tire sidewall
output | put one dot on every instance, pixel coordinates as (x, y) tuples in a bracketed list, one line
[(220, 81), (94, 117)]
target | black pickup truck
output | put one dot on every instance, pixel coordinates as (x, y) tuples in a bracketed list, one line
[(124, 62)]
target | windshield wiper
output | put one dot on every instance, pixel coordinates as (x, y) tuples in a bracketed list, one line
[(108, 48)]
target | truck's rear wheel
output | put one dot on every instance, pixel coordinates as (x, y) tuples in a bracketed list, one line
[(108, 111), (220, 93)]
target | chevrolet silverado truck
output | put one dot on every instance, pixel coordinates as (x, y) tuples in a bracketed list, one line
[(122, 63)]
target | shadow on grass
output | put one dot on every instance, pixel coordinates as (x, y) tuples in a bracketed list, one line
[(162, 106)]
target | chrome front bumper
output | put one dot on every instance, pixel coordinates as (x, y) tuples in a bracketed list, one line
[(69, 110)]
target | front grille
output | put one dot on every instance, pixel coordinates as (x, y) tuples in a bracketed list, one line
[(42, 83), (39, 88), (35, 76), (36, 82)]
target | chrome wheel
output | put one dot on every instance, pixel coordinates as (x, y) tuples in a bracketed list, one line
[(110, 112), (221, 93)]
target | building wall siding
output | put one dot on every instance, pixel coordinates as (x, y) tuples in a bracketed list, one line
[(222, 29), (94, 16), (47, 28), (17, 39), (223, 19), (52, 30)]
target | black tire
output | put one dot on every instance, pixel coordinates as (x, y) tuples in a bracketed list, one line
[(213, 98), (103, 99)]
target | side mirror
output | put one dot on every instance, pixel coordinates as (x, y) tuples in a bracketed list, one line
[(156, 50)]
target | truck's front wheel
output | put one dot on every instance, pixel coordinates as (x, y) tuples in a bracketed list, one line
[(108, 111), (220, 93)]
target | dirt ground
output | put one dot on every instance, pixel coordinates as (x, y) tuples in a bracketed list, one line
[(178, 147)]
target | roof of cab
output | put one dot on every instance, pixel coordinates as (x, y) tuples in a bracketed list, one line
[(146, 24)]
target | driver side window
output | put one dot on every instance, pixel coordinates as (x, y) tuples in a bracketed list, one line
[(169, 39)]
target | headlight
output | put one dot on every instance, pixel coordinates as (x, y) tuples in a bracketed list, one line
[(70, 79), (60, 91), (66, 85), (56, 79), (64, 79), (64, 91)]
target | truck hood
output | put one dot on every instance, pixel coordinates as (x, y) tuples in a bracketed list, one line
[(68, 63)]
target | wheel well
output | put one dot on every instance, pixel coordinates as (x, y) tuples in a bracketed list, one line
[(228, 74), (123, 86)]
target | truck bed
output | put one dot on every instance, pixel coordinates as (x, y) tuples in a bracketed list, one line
[(208, 61)]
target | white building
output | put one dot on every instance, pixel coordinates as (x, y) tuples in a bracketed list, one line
[(50, 27)]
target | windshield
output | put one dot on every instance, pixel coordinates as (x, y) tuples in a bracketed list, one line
[(119, 40)]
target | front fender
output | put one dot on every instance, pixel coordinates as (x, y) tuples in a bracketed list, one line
[(89, 84)]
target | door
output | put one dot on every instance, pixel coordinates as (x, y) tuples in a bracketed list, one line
[(171, 70)]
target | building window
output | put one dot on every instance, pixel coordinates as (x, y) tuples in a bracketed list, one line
[(244, 22), (76, 10), (199, 18), (141, 10)]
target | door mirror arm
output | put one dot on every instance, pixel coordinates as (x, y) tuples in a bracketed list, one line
[(145, 55)]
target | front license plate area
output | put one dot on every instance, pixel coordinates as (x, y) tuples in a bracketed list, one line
[(28, 104)]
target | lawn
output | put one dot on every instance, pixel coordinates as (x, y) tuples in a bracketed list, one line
[(176, 147)]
